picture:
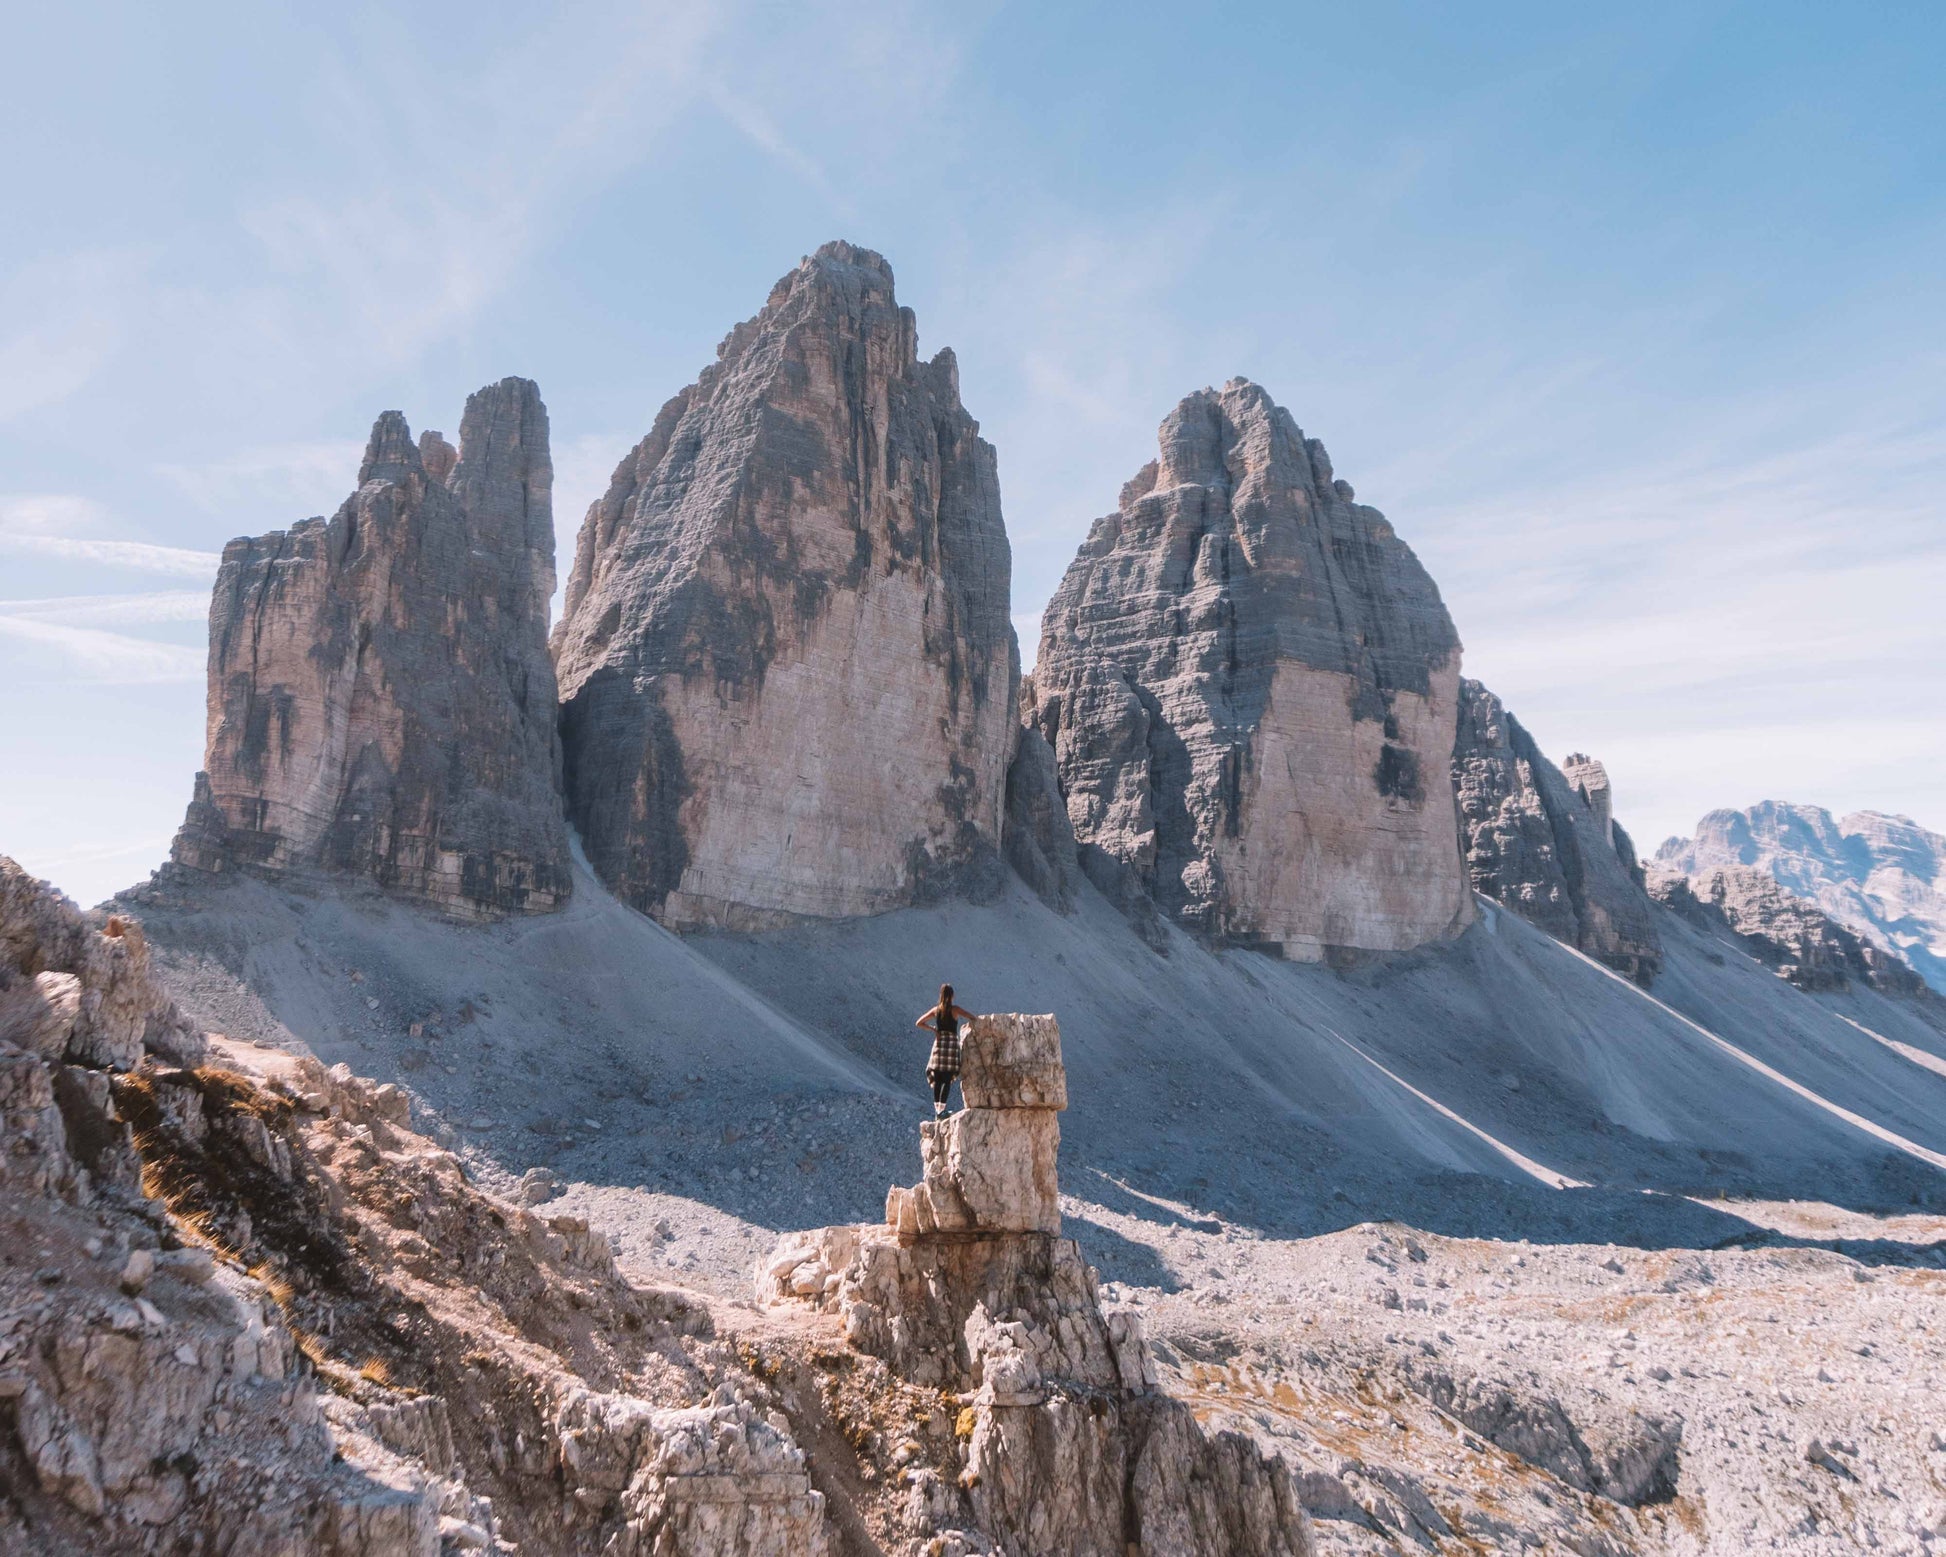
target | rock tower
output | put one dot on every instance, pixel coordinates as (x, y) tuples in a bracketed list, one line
[(786, 660), (1250, 685), (1544, 842), (968, 1286), (381, 702)]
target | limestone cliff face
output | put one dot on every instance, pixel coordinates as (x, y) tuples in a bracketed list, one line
[(1543, 840), (1250, 686), (381, 702), (786, 660)]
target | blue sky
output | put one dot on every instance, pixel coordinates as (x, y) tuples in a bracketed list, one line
[(1629, 318)]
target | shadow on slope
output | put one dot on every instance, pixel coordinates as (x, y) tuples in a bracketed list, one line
[(777, 1077)]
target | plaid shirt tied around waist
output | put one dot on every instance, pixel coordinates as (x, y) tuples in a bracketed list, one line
[(945, 1049)]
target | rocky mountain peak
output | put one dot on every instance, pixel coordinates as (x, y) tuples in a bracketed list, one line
[(381, 703), (390, 452), (1883, 877), (786, 659), (1250, 685)]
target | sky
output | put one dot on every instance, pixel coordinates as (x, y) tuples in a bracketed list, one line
[(1629, 318)]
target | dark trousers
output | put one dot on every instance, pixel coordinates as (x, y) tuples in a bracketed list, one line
[(942, 1083)]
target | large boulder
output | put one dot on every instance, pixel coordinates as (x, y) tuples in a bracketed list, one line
[(786, 659), (381, 702), (1543, 841), (1250, 685)]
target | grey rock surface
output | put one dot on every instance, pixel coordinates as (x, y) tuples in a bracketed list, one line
[(1250, 686), (786, 659), (1546, 844), (1036, 835), (381, 702), (1883, 876), (1785, 932)]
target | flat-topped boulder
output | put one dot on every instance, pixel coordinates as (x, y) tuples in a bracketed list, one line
[(1013, 1061), (992, 1167)]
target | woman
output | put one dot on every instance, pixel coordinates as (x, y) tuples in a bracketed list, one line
[(943, 1065)]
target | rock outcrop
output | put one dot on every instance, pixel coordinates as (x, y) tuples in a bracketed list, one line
[(381, 702), (1250, 686), (1882, 876), (1544, 842), (1065, 1444), (786, 660), (1791, 935), (151, 1396), (262, 1314)]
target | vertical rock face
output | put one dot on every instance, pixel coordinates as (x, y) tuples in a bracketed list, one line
[(1884, 876), (786, 660), (1249, 683), (1037, 836), (1536, 842), (381, 702), (1589, 779)]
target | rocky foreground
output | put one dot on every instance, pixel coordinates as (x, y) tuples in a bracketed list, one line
[(245, 1305)]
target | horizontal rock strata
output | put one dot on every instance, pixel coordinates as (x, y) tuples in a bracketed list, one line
[(1546, 845), (786, 657), (1250, 686), (381, 702)]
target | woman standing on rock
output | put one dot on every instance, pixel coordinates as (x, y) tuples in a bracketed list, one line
[(942, 1067)]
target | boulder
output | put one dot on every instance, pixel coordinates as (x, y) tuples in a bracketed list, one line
[(1013, 1061), (786, 661), (1250, 686), (381, 702), (987, 1169)]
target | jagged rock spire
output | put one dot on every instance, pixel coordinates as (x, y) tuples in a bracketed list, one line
[(786, 659), (381, 701), (1249, 683)]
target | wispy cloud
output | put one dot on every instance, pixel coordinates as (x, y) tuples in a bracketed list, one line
[(49, 513), (763, 132), (282, 482), (140, 556), (51, 651), (141, 610), (447, 185), (65, 322)]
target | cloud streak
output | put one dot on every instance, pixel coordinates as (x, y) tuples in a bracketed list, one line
[(54, 652), (138, 556)]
